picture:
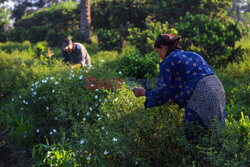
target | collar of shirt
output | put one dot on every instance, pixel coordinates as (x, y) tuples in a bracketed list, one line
[(174, 51)]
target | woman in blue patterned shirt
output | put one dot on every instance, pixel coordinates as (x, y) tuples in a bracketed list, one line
[(186, 79)]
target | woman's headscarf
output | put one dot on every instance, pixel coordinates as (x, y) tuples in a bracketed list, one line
[(171, 41)]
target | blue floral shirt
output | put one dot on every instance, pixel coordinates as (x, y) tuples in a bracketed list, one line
[(179, 73)]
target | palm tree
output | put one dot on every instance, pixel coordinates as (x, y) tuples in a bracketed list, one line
[(85, 20)]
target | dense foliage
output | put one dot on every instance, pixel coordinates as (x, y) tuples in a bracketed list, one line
[(41, 25), (214, 40)]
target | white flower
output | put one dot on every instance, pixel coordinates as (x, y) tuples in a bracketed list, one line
[(103, 128), (37, 131), (88, 113), (80, 77), (24, 101), (56, 83), (47, 78), (106, 152), (77, 114), (69, 77), (105, 100), (51, 78), (93, 68), (120, 72), (96, 104), (100, 100), (103, 60), (96, 97), (96, 90), (34, 93), (99, 118), (31, 89), (82, 142), (97, 115), (88, 158), (22, 108), (50, 133), (116, 99), (12, 99), (54, 130), (92, 85), (53, 91), (32, 85), (47, 108), (115, 139), (124, 82), (136, 163), (90, 108), (20, 97), (86, 71), (84, 119), (73, 75), (107, 132)]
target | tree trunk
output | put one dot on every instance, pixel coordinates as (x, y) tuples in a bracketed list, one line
[(85, 20)]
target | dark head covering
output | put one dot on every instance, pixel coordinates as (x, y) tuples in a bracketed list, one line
[(171, 41), (66, 42)]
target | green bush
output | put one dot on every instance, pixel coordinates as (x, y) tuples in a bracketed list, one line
[(214, 40), (10, 46), (108, 40), (144, 39), (134, 64), (41, 25)]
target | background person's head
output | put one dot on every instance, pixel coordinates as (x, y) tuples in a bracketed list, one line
[(67, 45), (166, 43)]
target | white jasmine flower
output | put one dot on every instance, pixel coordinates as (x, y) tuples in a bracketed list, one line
[(24, 101), (106, 152), (73, 75), (96, 97), (124, 82), (31, 89), (22, 108), (96, 90), (120, 72), (54, 130), (86, 71), (47, 108), (90, 108), (105, 100), (12, 99), (37, 131), (50, 133), (92, 85), (47, 78), (82, 142), (69, 77), (20, 97), (32, 85), (84, 119), (116, 99), (96, 104), (56, 83), (67, 139), (136, 163), (77, 114), (93, 68), (115, 139), (53, 91), (88, 158), (99, 118), (103, 61), (80, 77), (97, 115), (107, 132), (51, 78), (34, 93), (88, 113), (103, 128)]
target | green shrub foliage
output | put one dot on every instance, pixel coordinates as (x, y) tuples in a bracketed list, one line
[(108, 39), (51, 24), (144, 39), (213, 39), (134, 64)]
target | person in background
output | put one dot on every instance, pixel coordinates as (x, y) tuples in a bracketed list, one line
[(186, 79), (75, 53)]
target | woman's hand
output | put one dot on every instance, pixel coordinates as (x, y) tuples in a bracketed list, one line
[(139, 92)]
